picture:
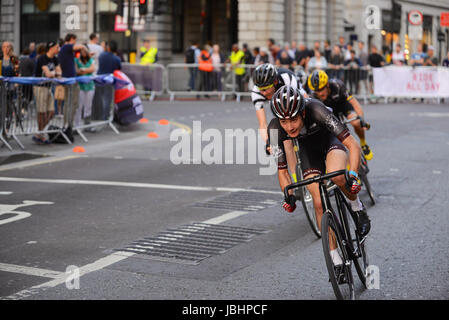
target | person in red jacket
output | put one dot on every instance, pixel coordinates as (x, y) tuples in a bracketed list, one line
[(206, 67)]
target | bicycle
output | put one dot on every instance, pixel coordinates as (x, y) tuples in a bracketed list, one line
[(350, 245), (364, 169)]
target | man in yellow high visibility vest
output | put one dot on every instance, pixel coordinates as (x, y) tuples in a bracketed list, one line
[(238, 58), (148, 55)]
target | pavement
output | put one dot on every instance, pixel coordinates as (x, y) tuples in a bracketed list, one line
[(81, 209)]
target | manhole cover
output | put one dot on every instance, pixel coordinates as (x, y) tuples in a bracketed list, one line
[(192, 243), (242, 201)]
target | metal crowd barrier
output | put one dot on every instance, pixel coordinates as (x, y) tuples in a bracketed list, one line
[(3, 130), (37, 107), (187, 79), (148, 79)]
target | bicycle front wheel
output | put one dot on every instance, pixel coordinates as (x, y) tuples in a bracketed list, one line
[(341, 279)]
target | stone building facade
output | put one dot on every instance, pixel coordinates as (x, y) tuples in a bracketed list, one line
[(216, 21)]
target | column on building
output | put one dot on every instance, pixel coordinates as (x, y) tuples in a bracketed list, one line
[(9, 26), (261, 20), (67, 23)]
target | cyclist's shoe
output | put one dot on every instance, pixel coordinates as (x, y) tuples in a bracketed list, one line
[(339, 271), (363, 223), (367, 152)]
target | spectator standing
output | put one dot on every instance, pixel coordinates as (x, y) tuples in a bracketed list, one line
[(265, 56), (271, 48), (191, 56), (66, 59), (342, 45), (446, 61), (148, 54), (363, 57), (293, 49), (375, 60), (236, 58), (95, 49), (47, 65), (353, 64), (302, 56), (347, 53), (317, 61), (430, 60), (336, 64), (327, 50), (206, 67), (109, 62), (85, 66), (9, 62), (249, 59), (417, 58), (217, 60), (398, 56), (256, 54), (26, 69), (316, 47), (26, 64), (32, 48), (285, 61)]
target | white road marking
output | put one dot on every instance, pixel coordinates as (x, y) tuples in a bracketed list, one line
[(394, 169), (105, 262), (226, 217), (5, 193), (135, 185), (30, 271), (18, 215), (430, 114), (35, 163), (436, 172)]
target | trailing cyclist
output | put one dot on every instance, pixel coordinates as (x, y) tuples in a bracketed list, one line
[(334, 94), (323, 142)]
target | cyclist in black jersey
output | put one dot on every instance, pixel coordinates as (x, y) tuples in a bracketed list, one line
[(267, 79), (323, 140), (334, 94)]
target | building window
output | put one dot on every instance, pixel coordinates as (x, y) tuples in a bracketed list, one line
[(178, 27), (39, 23)]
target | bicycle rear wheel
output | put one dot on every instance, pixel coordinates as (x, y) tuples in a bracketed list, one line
[(343, 282), (364, 177)]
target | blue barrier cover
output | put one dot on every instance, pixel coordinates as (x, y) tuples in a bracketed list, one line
[(103, 79)]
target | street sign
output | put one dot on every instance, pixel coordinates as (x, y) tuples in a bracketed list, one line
[(137, 22), (415, 18), (414, 32), (444, 19)]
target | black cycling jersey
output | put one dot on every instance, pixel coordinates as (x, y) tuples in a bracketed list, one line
[(338, 98), (321, 133), (285, 77)]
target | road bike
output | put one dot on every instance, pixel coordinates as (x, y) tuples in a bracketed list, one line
[(341, 227)]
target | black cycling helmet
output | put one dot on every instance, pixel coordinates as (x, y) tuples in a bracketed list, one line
[(287, 103), (264, 75), (317, 80)]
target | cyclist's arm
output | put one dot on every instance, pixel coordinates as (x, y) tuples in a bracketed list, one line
[(354, 152), (262, 123), (356, 105), (284, 179)]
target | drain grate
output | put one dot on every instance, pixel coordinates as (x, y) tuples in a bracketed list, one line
[(241, 201), (192, 243)]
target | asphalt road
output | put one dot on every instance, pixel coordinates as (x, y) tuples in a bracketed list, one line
[(125, 188)]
